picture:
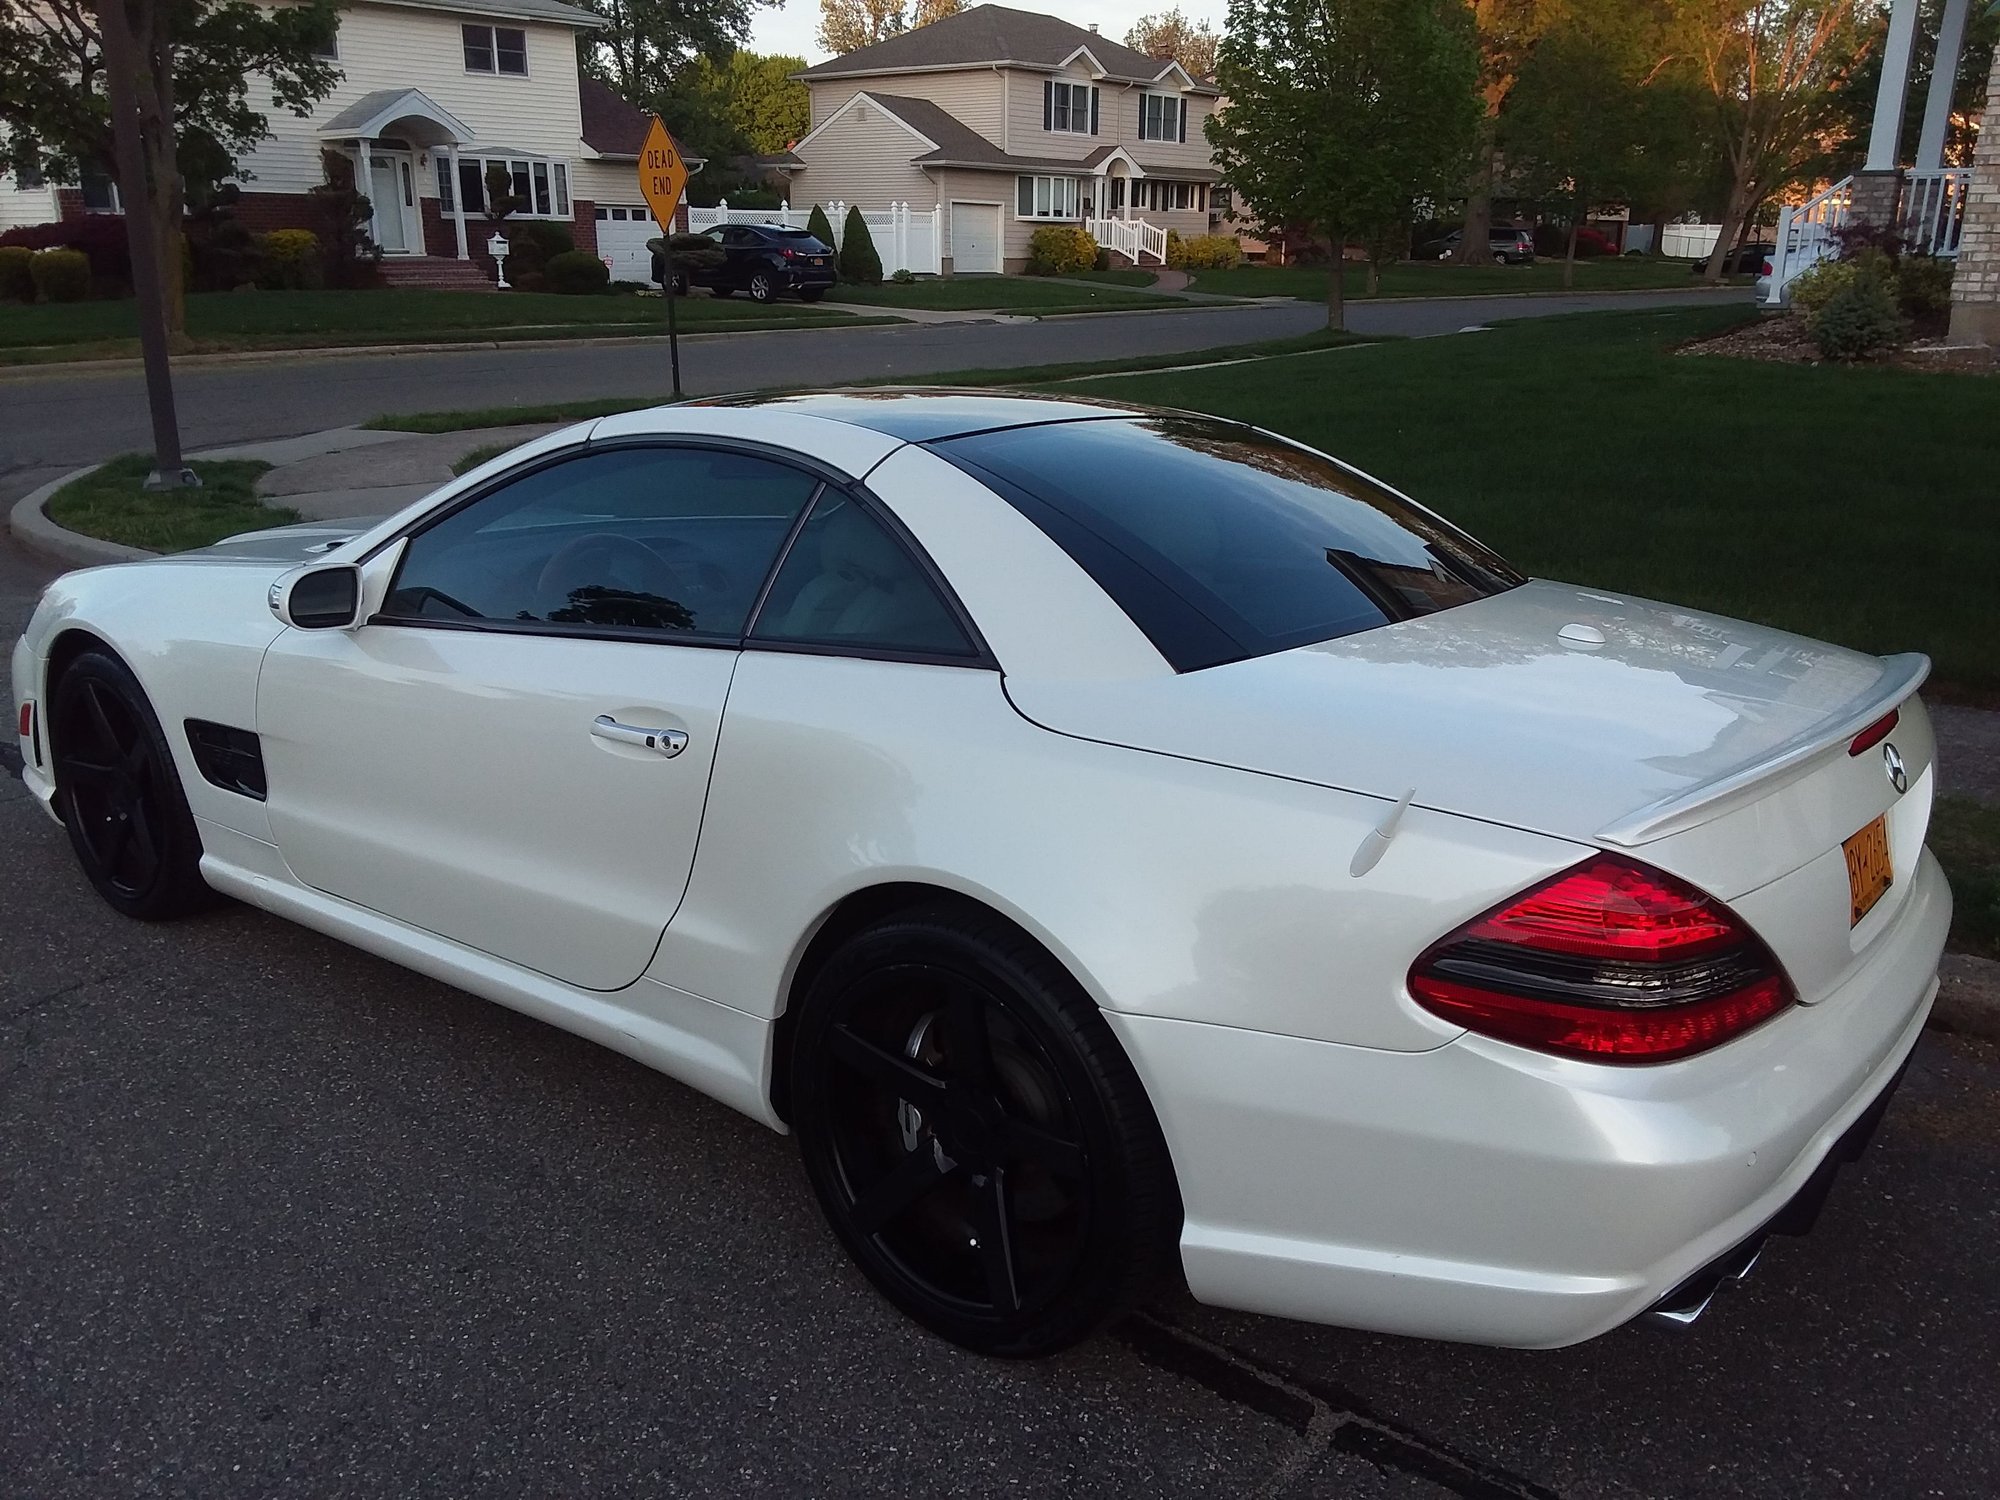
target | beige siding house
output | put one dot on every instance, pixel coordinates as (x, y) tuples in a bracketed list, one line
[(433, 93), (1006, 120)]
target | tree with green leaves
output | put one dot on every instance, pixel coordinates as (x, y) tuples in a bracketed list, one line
[(1170, 33), (1342, 112), (192, 65), (849, 25), (647, 45), (755, 94), (1507, 31), (1589, 122), (859, 263), (819, 226), (1772, 73)]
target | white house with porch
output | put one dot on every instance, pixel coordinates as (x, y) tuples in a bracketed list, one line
[(1949, 210), (432, 94)]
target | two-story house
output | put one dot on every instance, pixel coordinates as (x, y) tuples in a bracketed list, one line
[(433, 93), (1006, 120)]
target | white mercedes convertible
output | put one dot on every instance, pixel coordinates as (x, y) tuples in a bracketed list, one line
[(1105, 837)]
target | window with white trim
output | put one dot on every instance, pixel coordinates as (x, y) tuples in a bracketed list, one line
[(1069, 108), (1164, 196), (1045, 198), (495, 49), (1162, 117), (541, 183)]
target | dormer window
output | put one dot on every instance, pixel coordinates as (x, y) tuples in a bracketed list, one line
[(1070, 108), (1162, 117), (495, 49)]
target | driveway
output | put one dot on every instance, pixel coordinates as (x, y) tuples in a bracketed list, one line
[(69, 418)]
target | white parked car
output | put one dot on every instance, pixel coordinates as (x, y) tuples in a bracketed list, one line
[(1095, 832)]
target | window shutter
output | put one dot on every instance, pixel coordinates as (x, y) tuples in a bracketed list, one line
[(1093, 109), (1048, 104), (1183, 122)]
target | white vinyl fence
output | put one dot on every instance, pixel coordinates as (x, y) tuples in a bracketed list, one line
[(906, 238), (1689, 241)]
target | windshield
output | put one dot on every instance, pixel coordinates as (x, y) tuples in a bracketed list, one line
[(1223, 543)]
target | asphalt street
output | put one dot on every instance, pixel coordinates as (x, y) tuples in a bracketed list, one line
[(275, 1215), (61, 417)]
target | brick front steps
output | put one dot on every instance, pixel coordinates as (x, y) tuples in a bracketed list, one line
[(434, 273)]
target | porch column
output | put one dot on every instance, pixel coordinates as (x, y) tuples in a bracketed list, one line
[(457, 197), (1944, 72), (1887, 133), (364, 184)]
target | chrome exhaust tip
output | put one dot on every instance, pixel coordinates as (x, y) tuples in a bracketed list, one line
[(1690, 1299)]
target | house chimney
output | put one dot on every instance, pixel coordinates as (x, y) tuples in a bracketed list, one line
[(1093, 28)]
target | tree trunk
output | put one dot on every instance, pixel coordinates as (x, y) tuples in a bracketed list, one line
[(165, 168), (1569, 254), (1741, 194), (1374, 285), (1336, 293), (124, 81), (1475, 245)]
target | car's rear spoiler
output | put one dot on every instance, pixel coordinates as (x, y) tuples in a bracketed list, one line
[(1901, 676)]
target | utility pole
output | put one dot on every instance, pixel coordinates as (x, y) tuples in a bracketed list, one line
[(121, 73)]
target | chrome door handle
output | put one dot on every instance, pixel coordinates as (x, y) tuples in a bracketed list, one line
[(669, 742)]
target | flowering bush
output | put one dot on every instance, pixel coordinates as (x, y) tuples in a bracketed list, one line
[(1060, 250), (1203, 252)]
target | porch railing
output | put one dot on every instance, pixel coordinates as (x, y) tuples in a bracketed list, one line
[(1131, 238), (1930, 216)]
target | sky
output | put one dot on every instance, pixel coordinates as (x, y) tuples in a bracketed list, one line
[(789, 28)]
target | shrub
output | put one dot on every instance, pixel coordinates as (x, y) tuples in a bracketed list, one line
[(351, 256), (820, 227), (60, 275), (17, 282), (292, 260), (1815, 288), (858, 261), (1103, 261), (1923, 287), (101, 238), (905, 277), (1203, 252), (576, 273), (222, 254), (1060, 250), (533, 243), (1861, 319)]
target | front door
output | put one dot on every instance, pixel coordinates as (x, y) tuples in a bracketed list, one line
[(514, 752), (389, 185)]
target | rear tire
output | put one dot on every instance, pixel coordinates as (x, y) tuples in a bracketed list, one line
[(120, 795), (978, 1141)]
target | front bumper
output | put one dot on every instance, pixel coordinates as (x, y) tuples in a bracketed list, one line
[(35, 773), (1483, 1193)]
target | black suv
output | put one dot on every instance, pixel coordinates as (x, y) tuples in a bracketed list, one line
[(762, 260)]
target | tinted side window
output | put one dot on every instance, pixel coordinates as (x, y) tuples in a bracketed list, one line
[(1222, 544), (848, 582), (673, 539)]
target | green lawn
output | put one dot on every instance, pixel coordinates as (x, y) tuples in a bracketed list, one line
[(109, 503), (1440, 279), (1020, 294), (1119, 276), (1851, 504), (1965, 836), (271, 320)]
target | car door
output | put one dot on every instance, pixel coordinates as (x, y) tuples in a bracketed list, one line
[(742, 248), (514, 751)]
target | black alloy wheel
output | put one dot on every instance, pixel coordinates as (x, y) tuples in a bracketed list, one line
[(762, 288), (977, 1139), (119, 794)]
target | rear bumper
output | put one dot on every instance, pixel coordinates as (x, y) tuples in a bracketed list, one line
[(1483, 1193)]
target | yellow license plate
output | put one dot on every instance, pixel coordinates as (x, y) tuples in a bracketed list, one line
[(1868, 872)]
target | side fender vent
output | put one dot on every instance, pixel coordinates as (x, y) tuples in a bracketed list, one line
[(232, 759)]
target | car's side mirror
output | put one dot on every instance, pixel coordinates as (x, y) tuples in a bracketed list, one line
[(326, 598)]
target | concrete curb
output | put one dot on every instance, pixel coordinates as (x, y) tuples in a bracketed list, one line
[(35, 531)]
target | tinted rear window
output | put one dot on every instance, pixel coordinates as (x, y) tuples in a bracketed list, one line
[(1223, 544)]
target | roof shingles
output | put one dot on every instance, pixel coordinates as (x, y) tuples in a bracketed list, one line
[(988, 34)]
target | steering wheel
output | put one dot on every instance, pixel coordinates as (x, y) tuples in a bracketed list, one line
[(604, 559)]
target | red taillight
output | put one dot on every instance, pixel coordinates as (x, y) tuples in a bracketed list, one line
[(791, 255), (1610, 961), (1768, 268), (1875, 733)]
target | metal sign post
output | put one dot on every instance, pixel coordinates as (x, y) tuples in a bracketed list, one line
[(663, 177)]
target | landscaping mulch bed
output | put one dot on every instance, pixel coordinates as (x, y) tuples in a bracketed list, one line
[(1783, 339)]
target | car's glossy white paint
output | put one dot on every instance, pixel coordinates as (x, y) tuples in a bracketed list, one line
[(1238, 865)]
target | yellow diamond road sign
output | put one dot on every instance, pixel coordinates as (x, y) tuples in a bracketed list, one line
[(663, 176)]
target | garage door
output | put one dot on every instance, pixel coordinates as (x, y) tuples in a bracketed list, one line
[(621, 239), (975, 237)]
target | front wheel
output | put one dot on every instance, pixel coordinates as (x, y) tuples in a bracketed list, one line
[(762, 288), (978, 1141), (119, 794)]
